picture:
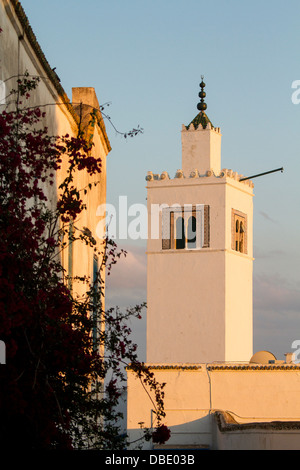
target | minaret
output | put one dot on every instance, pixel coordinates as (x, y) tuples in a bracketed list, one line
[(201, 150), (199, 255)]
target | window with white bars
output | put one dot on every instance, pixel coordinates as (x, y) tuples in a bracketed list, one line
[(185, 227)]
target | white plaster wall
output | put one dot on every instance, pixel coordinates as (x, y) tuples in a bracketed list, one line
[(200, 301), (180, 327), (186, 288), (263, 394), (258, 440), (239, 307), (239, 278), (201, 150)]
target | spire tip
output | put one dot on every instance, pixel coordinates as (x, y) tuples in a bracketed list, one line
[(202, 106)]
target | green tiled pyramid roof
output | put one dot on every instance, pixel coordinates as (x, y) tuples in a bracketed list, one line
[(202, 119)]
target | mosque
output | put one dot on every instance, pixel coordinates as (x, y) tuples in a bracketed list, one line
[(219, 394)]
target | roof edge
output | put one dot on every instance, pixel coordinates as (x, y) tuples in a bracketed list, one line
[(226, 423), (28, 31)]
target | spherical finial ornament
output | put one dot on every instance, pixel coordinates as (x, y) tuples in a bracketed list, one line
[(202, 106)]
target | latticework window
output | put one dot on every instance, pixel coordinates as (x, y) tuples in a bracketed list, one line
[(185, 227), (239, 231)]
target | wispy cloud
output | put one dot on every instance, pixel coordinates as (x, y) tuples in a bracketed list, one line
[(267, 217), (126, 286), (260, 253), (127, 283), (273, 292)]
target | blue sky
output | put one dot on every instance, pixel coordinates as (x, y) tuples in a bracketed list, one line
[(146, 59)]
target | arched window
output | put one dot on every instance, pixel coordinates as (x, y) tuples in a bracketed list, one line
[(191, 232), (185, 227), (241, 238), (180, 234), (239, 224)]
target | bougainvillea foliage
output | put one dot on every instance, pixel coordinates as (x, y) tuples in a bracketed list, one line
[(57, 389)]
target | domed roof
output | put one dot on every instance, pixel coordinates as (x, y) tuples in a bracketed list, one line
[(262, 357)]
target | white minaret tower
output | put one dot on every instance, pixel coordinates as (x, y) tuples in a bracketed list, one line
[(200, 256)]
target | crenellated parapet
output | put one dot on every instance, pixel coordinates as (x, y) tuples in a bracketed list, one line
[(199, 127), (195, 174)]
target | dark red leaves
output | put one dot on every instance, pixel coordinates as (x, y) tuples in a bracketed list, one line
[(48, 341), (47, 387), (161, 434)]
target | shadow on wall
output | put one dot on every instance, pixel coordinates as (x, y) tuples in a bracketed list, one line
[(193, 434), (219, 430)]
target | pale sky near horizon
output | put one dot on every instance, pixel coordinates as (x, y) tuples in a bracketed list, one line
[(146, 59)]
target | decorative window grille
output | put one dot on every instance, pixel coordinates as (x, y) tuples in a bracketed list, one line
[(185, 227), (239, 231)]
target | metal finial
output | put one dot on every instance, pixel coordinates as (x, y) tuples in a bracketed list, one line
[(202, 106)]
